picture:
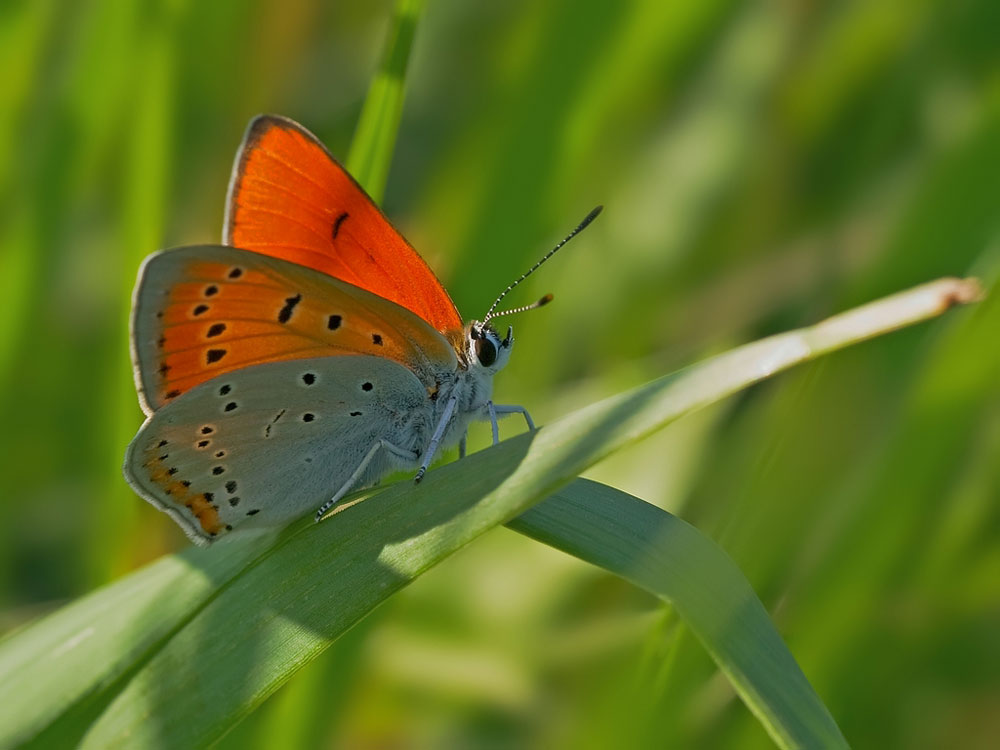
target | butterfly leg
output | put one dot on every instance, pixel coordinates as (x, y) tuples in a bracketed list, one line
[(359, 472), (503, 410), (462, 444), (491, 408), (432, 447)]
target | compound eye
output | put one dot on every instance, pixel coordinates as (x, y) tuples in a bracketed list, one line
[(486, 351)]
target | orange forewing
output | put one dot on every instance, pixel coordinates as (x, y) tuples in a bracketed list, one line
[(290, 199), (202, 312)]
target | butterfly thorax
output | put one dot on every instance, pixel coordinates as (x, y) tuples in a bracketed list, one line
[(482, 355)]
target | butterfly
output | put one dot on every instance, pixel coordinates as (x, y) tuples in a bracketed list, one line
[(311, 354)]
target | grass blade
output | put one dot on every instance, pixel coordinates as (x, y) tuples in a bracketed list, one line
[(61, 671), (372, 146), (180, 669), (673, 560)]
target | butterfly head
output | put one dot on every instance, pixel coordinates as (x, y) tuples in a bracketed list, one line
[(485, 348)]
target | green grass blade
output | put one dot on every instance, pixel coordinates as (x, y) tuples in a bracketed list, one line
[(371, 149), (673, 560), (206, 644), (60, 671)]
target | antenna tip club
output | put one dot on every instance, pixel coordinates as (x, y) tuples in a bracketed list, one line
[(546, 299), (589, 218)]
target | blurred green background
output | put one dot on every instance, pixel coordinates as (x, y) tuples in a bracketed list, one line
[(763, 165)]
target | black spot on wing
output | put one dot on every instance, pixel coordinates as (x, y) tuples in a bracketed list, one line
[(337, 222), (279, 415), (333, 322), (214, 355), (285, 313)]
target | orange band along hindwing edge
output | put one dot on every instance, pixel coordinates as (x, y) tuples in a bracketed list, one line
[(289, 198)]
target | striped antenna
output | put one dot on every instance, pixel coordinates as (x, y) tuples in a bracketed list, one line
[(548, 297)]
